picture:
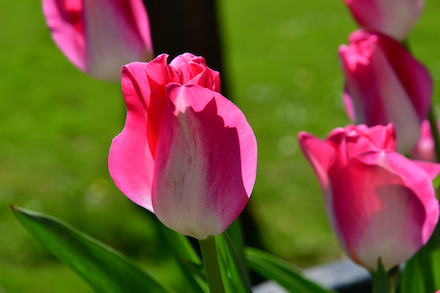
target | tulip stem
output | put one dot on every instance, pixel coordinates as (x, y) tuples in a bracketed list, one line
[(212, 268), (434, 131)]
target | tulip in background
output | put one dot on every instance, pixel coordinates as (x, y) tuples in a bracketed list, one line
[(384, 84), (99, 36), (379, 203), (186, 153), (391, 17), (425, 147)]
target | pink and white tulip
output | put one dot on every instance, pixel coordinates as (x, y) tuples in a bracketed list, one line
[(99, 36), (391, 17), (425, 147), (379, 203), (186, 152), (384, 84)]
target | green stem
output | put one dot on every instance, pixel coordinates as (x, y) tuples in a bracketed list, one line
[(210, 261), (434, 131), (385, 282)]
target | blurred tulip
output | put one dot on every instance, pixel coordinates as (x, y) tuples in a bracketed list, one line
[(384, 84), (425, 147), (186, 153), (99, 36), (391, 17), (379, 203)]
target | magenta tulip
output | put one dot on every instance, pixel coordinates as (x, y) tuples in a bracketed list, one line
[(379, 203), (99, 36), (391, 17), (186, 153), (384, 84), (425, 147)]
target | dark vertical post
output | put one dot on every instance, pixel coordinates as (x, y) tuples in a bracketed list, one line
[(179, 26)]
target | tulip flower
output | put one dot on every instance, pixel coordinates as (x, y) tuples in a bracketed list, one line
[(384, 84), (425, 147), (391, 17), (99, 36), (186, 153), (379, 203)]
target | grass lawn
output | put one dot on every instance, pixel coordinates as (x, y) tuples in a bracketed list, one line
[(57, 125)]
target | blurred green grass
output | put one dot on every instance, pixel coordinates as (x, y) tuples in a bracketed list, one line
[(57, 125)]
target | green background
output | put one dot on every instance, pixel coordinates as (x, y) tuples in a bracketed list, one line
[(56, 126)]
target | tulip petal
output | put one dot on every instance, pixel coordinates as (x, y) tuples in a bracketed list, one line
[(158, 76), (193, 70), (320, 155), (382, 137), (394, 18), (205, 162), (418, 176), (432, 169), (140, 18), (385, 207), (64, 20), (131, 162), (323, 158), (112, 38), (413, 76), (99, 36), (425, 147)]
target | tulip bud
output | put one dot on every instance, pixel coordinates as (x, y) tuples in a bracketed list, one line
[(425, 147), (99, 36), (186, 153), (391, 17), (384, 84), (379, 203)]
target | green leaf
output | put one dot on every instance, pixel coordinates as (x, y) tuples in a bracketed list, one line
[(436, 181), (187, 259), (380, 279), (281, 271), (181, 245), (235, 234), (422, 271), (412, 278), (231, 265), (230, 286), (105, 269)]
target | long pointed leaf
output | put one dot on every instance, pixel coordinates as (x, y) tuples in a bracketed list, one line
[(105, 269), (282, 272), (228, 282), (236, 264), (422, 271), (233, 268), (187, 259)]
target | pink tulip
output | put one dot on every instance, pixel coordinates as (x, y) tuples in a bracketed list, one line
[(391, 17), (379, 203), (99, 36), (384, 84), (425, 147), (186, 153)]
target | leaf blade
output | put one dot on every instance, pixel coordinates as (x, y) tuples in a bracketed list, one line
[(102, 267), (281, 271)]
